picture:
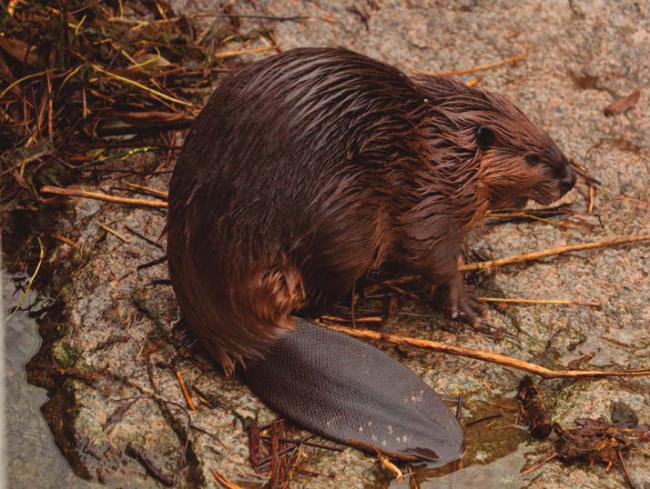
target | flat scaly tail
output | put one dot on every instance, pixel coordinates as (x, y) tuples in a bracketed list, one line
[(348, 391)]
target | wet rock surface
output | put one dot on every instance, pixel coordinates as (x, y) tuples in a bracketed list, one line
[(120, 346)]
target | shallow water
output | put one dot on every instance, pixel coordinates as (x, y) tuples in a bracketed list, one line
[(33, 459), (503, 473), (495, 448)]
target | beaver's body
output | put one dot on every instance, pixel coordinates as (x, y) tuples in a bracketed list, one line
[(308, 169)]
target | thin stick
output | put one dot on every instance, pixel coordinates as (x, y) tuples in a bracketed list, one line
[(114, 233), (474, 81), (536, 466), (144, 237), (626, 474), (391, 467), (592, 198), (148, 465), (159, 127), (465, 71), (583, 172), (266, 17), (19, 81), (305, 442), (151, 190), (459, 407), (225, 482), (561, 224), (562, 302), (188, 399), (151, 263), (485, 356), (65, 240), (139, 85), (413, 482), (274, 42), (468, 267), (562, 209), (401, 280), (367, 319), (232, 54), (84, 103), (484, 418), (70, 192), (50, 108)]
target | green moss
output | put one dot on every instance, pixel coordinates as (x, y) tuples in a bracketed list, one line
[(65, 355)]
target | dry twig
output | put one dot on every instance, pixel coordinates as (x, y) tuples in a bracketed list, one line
[(561, 302), (151, 190), (532, 468), (115, 233), (148, 465), (368, 319), (188, 398), (391, 467), (71, 192), (496, 358), (488, 66), (241, 52), (592, 198), (623, 104), (65, 240), (511, 260), (223, 481)]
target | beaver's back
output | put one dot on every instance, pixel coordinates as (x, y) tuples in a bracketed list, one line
[(279, 130)]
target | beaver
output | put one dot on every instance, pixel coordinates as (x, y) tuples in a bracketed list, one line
[(305, 171)]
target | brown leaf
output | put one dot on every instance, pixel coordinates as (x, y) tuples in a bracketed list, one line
[(623, 415), (118, 414), (623, 104), (532, 409), (596, 440), (18, 50)]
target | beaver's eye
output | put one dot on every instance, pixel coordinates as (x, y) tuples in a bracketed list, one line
[(484, 137), (532, 159)]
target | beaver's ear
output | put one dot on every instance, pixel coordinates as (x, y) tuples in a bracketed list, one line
[(484, 137)]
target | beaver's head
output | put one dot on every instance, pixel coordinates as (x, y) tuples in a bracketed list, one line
[(517, 160)]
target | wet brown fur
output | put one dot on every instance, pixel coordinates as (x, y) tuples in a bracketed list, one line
[(310, 168)]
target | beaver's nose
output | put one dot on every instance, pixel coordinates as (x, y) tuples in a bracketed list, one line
[(568, 182)]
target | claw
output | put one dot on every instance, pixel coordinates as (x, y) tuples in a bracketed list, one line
[(462, 303)]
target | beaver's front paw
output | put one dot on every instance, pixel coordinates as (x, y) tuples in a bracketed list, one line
[(460, 302)]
